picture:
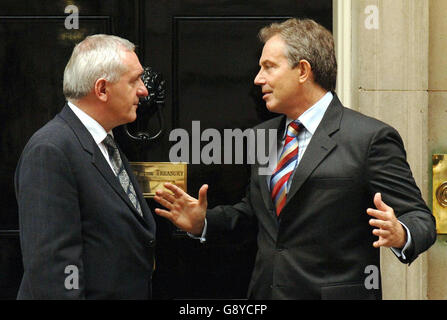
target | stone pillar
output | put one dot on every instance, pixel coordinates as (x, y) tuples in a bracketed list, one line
[(389, 79), (437, 119)]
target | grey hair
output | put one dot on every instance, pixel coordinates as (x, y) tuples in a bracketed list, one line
[(308, 40), (97, 56)]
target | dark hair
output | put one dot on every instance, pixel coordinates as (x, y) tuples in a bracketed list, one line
[(308, 40)]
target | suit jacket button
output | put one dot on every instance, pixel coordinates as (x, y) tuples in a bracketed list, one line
[(152, 243)]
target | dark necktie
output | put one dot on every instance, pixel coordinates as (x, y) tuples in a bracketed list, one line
[(286, 165), (121, 172)]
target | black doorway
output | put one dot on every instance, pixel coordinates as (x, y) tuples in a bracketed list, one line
[(207, 51)]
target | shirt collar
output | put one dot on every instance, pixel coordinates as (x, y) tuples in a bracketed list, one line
[(311, 118), (96, 130)]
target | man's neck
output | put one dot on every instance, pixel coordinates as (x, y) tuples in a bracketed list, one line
[(93, 110), (309, 99)]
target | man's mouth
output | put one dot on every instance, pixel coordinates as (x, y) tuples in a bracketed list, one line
[(266, 95)]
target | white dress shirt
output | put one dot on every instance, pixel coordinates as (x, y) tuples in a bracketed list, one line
[(310, 120)]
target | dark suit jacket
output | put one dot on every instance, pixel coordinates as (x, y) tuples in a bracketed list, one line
[(321, 244), (74, 212)]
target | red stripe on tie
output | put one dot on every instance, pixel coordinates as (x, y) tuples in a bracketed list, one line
[(279, 184), (280, 201), (286, 158), (280, 205)]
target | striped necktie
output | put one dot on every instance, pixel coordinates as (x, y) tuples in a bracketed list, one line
[(286, 165), (121, 172)]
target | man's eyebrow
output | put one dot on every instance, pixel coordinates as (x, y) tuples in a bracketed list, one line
[(263, 62)]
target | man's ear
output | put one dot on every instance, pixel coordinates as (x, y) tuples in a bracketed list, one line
[(305, 71), (100, 89)]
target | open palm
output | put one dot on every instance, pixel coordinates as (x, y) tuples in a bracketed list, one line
[(184, 211)]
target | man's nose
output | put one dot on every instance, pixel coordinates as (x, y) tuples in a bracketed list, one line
[(259, 79), (142, 90)]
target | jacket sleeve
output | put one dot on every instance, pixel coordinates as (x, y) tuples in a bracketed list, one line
[(225, 219), (50, 225), (389, 173)]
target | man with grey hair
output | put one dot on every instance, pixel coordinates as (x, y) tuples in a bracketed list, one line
[(86, 231), (341, 189)]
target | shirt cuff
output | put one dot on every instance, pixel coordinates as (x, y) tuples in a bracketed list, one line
[(202, 238), (401, 252)]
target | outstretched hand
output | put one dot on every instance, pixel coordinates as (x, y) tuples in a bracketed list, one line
[(184, 211), (390, 231)]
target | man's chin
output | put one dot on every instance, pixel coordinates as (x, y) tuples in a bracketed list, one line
[(131, 118), (271, 107)]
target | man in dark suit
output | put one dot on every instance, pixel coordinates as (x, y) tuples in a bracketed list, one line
[(341, 180), (86, 232)]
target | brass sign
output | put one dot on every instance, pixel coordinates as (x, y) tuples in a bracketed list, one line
[(440, 192), (152, 175)]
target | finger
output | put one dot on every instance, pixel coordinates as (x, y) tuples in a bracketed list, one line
[(163, 202), (202, 195), (381, 233), (377, 214), (380, 224), (377, 244), (168, 197), (382, 242), (176, 190), (378, 202), (163, 213)]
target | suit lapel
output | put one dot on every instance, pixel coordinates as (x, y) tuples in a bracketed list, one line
[(320, 146), (97, 158)]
